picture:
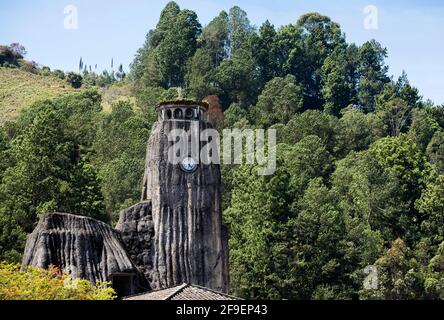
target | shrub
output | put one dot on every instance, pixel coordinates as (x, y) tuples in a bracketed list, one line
[(45, 71), (28, 66), (7, 55), (74, 79), (52, 284), (59, 74)]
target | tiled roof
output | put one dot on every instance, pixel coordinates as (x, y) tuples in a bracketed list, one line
[(183, 292)]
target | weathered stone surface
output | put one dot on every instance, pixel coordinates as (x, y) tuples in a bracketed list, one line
[(137, 231), (188, 244), (82, 247)]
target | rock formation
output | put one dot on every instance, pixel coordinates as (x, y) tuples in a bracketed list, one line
[(189, 242), (137, 230), (82, 247)]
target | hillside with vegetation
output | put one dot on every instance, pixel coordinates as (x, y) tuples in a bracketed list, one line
[(24, 82), (360, 173), (19, 88)]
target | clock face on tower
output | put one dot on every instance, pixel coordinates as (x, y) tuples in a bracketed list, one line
[(188, 165)]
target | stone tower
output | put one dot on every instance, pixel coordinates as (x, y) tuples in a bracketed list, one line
[(189, 243), (173, 236)]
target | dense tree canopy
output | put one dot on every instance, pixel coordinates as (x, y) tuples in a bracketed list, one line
[(163, 59)]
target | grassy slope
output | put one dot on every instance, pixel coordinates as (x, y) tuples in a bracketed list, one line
[(115, 93), (19, 89)]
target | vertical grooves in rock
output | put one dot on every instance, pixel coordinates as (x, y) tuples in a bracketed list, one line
[(186, 214), (137, 232), (83, 247)]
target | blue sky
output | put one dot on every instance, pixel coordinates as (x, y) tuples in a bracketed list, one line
[(413, 31)]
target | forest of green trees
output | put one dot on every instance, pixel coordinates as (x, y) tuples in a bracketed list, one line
[(360, 163)]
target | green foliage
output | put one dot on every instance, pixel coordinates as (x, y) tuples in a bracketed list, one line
[(238, 77), (340, 79), (434, 278), (280, 100), (232, 59), (368, 192), (236, 117), (320, 37), (120, 147), (49, 168), (103, 80), (4, 152), (306, 160), (400, 89), (396, 116), (86, 193), (10, 56), (398, 108), (431, 205), (355, 132), (311, 122), (52, 284), (212, 50), (163, 59), (318, 229), (258, 219), (59, 74), (435, 151), (437, 112), (266, 52), (74, 79), (405, 161), (401, 276), (20, 89), (423, 128), (372, 73)]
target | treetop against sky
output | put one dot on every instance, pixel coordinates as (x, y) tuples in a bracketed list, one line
[(56, 34)]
